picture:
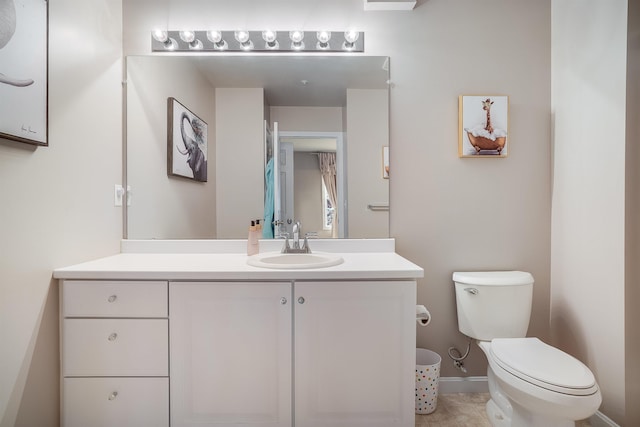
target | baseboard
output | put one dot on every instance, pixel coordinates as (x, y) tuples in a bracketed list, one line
[(601, 420), (463, 385)]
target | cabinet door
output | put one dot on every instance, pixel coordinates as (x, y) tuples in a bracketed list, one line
[(230, 354), (354, 354)]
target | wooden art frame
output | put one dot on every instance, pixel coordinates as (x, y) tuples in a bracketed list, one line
[(483, 126), (385, 162), (24, 71), (186, 143)]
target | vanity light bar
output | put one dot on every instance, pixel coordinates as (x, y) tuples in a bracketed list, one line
[(256, 41)]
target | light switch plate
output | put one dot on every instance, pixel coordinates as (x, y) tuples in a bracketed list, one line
[(118, 194)]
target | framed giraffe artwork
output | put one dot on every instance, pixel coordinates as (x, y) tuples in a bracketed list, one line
[(385, 162), (483, 126)]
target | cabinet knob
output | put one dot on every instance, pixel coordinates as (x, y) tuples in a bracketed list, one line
[(301, 300), (283, 300), (113, 395), (113, 337), (112, 298)]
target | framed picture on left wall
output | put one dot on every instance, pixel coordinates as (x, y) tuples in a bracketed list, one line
[(23, 71), (186, 142)]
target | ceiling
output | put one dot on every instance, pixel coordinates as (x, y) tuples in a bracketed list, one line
[(297, 80)]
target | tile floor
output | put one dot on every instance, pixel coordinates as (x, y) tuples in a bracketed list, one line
[(462, 410)]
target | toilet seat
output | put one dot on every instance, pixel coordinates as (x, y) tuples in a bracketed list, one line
[(543, 365)]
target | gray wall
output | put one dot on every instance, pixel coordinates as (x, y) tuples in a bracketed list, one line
[(588, 222), (57, 206)]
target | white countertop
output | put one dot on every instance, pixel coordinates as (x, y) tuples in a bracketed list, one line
[(179, 262)]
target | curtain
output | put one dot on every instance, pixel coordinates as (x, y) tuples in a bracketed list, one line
[(328, 171)]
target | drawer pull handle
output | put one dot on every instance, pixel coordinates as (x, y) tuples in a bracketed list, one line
[(113, 337), (113, 298), (283, 300), (301, 300), (113, 395)]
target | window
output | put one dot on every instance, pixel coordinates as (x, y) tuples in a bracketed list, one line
[(327, 208)]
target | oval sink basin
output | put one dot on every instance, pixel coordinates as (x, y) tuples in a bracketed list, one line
[(294, 261)]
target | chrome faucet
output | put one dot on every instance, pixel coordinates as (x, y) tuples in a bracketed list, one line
[(296, 235), (295, 247)]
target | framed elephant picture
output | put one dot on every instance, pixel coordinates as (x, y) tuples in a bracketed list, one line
[(482, 128), (23, 71), (187, 143)]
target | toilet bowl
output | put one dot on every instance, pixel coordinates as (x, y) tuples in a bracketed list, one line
[(530, 383)]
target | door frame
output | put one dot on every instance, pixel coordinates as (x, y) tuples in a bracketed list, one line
[(341, 170)]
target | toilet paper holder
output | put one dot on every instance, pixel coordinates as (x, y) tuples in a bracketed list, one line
[(423, 316)]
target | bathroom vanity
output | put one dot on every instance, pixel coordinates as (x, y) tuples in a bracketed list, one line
[(187, 333)]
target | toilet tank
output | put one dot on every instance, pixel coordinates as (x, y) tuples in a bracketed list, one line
[(493, 304)]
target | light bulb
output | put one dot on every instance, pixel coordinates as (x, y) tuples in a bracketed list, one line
[(269, 36), (351, 36), (323, 36), (214, 36), (160, 35), (187, 36), (270, 40), (242, 36), (323, 40), (296, 36)]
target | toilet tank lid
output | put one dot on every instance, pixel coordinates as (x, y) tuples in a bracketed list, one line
[(493, 278)]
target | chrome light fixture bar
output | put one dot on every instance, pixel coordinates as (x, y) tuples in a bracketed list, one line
[(256, 41)]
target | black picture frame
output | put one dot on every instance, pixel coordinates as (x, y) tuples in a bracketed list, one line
[(186, 142), (24, 57)]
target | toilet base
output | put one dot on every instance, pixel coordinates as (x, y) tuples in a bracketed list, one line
[(497, 417), (504, 412)]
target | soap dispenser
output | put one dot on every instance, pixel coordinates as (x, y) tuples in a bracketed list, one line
[(252, 241)]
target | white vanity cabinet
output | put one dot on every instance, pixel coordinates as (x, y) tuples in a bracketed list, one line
[(230, 354), (332, 353), (187, 333), (354, 353), (114, 353)]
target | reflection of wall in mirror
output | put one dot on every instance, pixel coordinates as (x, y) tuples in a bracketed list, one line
[(188, 211), (239, 152), (367, 130)]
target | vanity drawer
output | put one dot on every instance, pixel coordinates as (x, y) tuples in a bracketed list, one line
[(114, 299), (115, 402), (115, 347)]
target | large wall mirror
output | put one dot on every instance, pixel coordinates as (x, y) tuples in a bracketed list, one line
[(311, 105)]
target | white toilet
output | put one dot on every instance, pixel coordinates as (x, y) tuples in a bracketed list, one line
[(530, 383)]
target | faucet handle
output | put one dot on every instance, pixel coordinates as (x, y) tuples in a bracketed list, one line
[(305, 245), (284, 235)]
